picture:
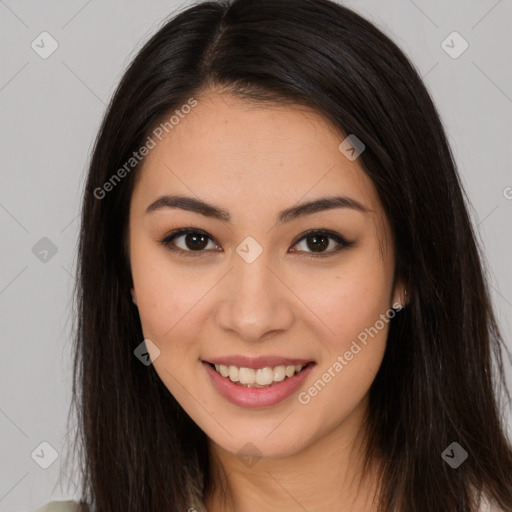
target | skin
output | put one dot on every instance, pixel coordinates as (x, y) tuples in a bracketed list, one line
[(254, 161)]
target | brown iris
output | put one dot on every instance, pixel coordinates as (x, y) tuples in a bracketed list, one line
[(319, 242)]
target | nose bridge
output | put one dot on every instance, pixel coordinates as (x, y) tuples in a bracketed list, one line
[(256, 301)]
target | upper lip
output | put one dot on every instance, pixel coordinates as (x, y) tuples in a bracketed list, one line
[(257, 362)]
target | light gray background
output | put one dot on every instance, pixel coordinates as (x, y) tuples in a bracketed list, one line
[(50, 113)]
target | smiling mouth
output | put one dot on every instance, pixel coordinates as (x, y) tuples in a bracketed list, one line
[(260, 377)]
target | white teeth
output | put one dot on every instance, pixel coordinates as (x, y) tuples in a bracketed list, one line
[(290, 370), (233, 373), (279, 373), (262, 377), (246, 375)]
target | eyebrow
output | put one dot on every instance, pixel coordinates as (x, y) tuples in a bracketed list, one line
[(209, 210)]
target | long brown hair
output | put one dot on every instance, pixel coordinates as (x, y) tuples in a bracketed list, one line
[(138, 450)]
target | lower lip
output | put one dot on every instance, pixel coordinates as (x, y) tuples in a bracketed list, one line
[(256, 397)]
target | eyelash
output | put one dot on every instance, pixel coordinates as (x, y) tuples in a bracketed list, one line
[(343, 243)]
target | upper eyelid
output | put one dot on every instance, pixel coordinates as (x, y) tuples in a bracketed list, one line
[(184, 231)]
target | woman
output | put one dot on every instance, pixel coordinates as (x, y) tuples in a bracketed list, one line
[(281, 303)]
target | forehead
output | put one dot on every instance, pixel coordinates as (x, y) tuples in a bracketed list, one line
[(259, 156)]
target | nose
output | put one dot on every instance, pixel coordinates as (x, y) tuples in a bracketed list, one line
[(255, 302)]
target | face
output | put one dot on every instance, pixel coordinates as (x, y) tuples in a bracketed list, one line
[(243, 285)]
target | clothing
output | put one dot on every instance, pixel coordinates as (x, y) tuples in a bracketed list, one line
[(59, 506), (72, 506)]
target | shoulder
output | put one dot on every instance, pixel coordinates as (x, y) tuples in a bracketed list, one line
[(486, 506), (59, 506), (490, 508)]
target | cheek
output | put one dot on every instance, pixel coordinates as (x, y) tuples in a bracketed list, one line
[(167, 302), (167, 295), (360, 320), (349, 300), (352, 305), (161, 298)]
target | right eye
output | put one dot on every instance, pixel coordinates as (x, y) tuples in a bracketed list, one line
[(193, 241)]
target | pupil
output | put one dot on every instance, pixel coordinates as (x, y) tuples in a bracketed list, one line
[(319, 242), (191, 240)]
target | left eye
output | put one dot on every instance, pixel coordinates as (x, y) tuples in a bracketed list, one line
[(320, 240), (314, 242)]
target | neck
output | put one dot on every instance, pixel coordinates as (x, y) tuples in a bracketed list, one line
[(327, 474)]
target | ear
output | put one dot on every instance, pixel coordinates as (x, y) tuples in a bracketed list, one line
[(400, 296), (134, 299)]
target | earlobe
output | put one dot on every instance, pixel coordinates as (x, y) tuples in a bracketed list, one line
[(401, 299), (134, 300)]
